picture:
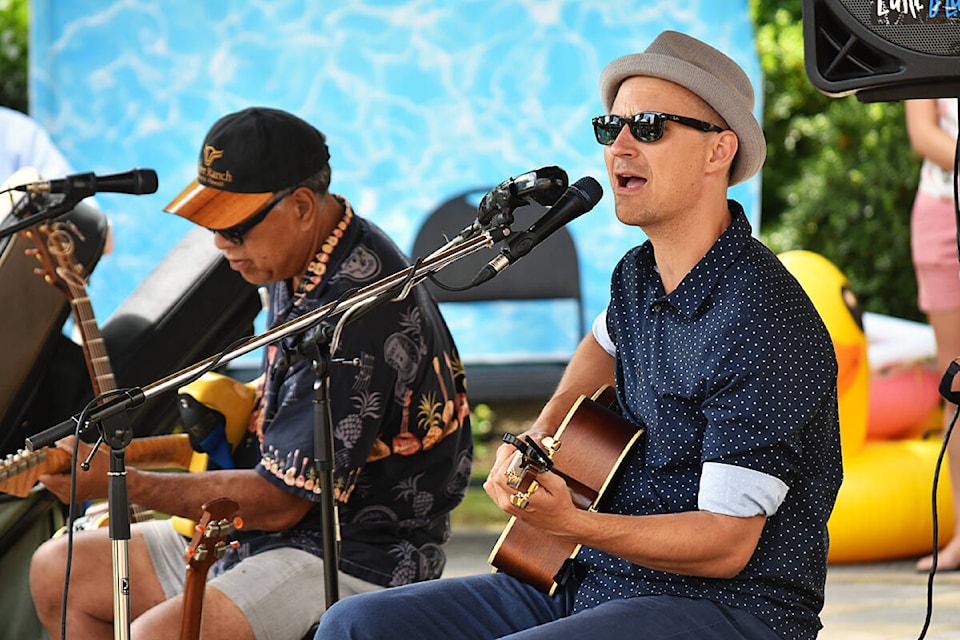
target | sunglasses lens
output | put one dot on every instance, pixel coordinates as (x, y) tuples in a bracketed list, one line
[(647, 127), (607, 128)]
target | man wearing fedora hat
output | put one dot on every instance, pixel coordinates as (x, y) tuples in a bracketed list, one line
[(399, 417), (714, 523)]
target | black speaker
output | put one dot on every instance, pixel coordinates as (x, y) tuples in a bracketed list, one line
[(883, 50)]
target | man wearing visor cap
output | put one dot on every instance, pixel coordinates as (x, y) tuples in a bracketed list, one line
[(400, 420), (714, 523)]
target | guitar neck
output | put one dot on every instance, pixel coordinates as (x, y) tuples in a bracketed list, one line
[(19, 472), (94, 348), (55, 244)]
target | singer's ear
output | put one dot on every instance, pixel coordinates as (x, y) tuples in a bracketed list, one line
[(723, 150)]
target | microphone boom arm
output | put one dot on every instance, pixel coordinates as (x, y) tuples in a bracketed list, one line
[(405, 279)]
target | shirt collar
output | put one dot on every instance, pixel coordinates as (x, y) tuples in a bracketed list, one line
[(696, 286)]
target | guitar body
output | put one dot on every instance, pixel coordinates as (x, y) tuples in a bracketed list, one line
[(593, 442)]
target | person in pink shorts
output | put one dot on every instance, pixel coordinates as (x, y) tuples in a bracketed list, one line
[(932, 128)]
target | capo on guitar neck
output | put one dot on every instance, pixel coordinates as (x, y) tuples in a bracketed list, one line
[(533, 454)]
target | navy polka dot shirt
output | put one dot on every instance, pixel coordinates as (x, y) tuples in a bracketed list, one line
[(733, 367)]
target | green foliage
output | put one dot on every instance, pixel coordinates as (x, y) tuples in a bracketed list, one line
[(482, 421), (840, 175), (14, 35)]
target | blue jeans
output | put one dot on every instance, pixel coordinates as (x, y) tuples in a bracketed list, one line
[(489, 606)]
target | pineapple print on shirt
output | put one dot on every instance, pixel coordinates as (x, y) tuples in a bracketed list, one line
[(369, 405), (422, 501)]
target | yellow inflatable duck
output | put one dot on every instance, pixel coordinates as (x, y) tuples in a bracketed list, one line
[(883, 510)]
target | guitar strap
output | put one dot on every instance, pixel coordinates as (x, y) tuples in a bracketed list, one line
[(571, 574)]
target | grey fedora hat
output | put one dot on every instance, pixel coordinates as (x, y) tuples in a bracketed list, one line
[(708, 73)]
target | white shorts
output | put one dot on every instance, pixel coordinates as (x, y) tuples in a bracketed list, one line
[(280, 591)]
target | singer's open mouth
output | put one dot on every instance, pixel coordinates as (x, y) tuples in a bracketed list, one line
[(627, 181)]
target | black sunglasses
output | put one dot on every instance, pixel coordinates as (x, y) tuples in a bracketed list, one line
[(235, 233), (646, 126)]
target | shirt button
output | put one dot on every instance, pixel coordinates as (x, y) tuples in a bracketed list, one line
[(656, 307)]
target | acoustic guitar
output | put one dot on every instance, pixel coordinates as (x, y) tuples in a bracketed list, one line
[(208, 545), (54, 246), (586, 451)]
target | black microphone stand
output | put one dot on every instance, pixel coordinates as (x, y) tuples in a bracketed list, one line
[(134, 397), (318, 351), (321, 361), (115, 431)]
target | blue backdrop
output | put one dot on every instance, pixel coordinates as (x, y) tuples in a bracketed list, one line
[(420, 100)]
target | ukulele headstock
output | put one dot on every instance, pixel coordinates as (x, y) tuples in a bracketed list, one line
[(210, 539)]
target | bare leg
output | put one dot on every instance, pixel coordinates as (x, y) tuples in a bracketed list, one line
[(946, 329), (220, 619), (91, 597)]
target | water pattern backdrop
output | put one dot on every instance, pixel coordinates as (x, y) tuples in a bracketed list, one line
[(420, 100)]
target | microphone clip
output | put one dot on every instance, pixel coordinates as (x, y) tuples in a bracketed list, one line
[(543, 185), (29, 212)]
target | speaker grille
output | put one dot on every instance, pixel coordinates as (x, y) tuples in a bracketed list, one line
[(932, 29)]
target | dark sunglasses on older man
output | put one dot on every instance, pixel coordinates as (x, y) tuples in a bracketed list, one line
[(235, 233), (646, 126)]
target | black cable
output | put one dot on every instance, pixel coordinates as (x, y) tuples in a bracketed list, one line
[(946, 390), (447, 287), (936, 526)]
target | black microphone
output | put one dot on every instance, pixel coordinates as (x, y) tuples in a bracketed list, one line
[(81, 185), (579, 198)]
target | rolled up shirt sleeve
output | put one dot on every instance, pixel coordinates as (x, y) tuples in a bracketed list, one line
[(738, 491)]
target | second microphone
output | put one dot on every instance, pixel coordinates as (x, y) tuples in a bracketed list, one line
[(580, 197)]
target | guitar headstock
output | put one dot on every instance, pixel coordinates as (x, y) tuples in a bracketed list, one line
[(210, 536), (54, 246)]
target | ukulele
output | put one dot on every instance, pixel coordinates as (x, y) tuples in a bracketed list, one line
[(586, 451), (208, 545)]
